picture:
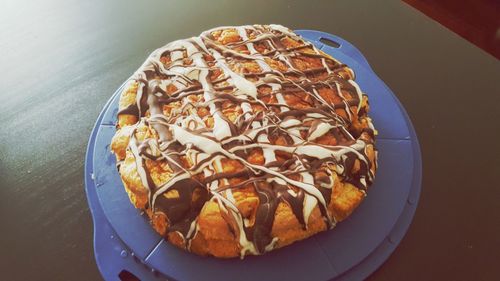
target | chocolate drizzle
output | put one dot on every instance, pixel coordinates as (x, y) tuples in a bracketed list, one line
[(183, 210), (131, 110), (201, 74)]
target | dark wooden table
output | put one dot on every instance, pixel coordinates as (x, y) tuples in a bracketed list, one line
[(61, 61)]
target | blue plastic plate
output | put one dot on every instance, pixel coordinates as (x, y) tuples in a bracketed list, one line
[(124, 240)]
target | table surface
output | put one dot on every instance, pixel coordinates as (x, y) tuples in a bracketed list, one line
[(61, 61)]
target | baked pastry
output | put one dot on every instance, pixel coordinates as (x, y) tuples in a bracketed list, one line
[(243, 140)]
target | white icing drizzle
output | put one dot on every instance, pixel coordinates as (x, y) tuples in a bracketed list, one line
[(309, 201), (358, 91), (320, 131)]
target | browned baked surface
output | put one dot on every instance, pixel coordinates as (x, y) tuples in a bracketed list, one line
[(243, 140)]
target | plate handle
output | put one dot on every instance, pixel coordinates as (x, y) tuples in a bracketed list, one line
[(334, 43)]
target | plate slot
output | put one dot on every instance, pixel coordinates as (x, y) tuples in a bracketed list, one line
[(330, 42)]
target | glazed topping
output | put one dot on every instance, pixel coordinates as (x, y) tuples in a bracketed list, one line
[(262, 101)]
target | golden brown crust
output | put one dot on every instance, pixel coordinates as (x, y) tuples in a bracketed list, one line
[(216, 232)]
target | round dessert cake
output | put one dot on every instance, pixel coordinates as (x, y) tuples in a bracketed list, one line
[(243, 140)]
